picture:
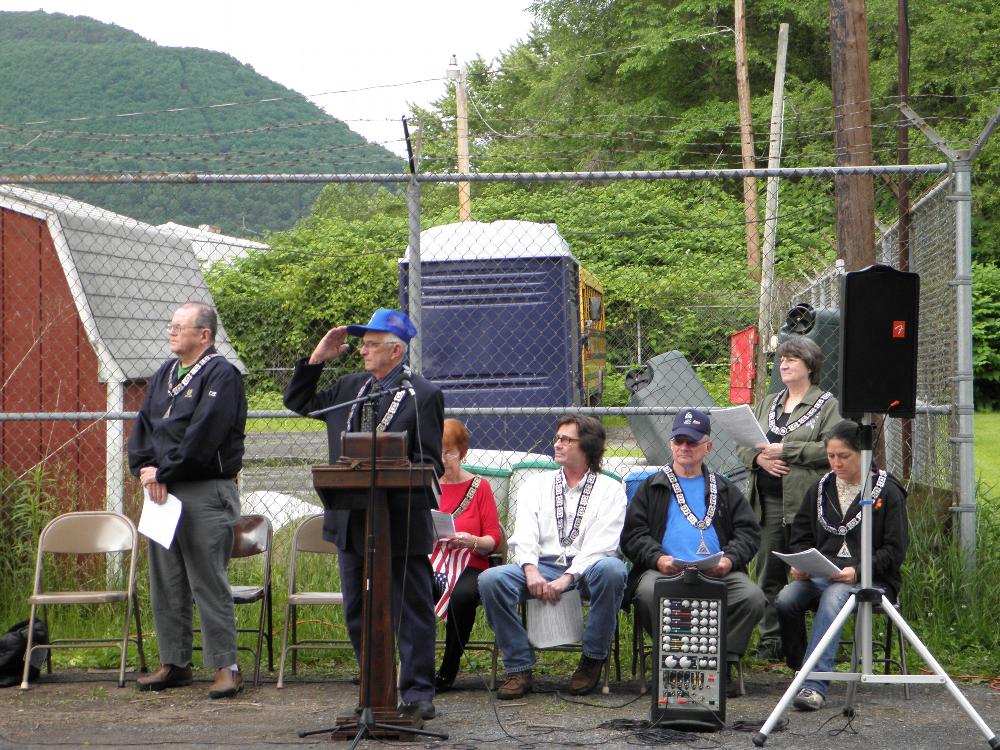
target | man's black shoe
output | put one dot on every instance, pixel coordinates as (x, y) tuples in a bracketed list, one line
[(442, 683), (424, 709)]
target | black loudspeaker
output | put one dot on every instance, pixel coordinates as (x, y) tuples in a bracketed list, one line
[(878, 342)]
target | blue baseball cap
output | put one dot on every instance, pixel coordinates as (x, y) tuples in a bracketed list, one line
[(387, 321), (692, 423)]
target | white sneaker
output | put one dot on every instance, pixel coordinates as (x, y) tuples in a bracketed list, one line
[(808, 699)]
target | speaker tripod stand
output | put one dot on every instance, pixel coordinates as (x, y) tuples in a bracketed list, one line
[(860, 601)]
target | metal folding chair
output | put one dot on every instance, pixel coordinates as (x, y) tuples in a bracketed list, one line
[(104, 535), (308, 540)]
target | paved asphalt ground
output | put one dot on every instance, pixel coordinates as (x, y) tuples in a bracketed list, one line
[(86, 709)]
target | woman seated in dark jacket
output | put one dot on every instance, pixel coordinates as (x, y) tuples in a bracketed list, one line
[(830, 520)]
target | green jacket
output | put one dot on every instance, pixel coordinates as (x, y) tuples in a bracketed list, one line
[(802, 449)]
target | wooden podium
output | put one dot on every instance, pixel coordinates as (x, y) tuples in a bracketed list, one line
[(398, 486)]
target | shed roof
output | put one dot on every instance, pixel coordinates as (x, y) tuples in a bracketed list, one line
[(127, 278), (210, 246)]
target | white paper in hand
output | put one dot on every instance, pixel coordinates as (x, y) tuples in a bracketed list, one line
[(703, 564), (741, 425), (555, 624), (811, 562), (159, 522), (444, 524)]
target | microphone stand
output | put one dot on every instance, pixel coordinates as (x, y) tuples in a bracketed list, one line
[(365, 722), (862, 598)]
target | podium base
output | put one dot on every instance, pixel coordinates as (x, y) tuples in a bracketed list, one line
[(381, 723), (388, 725)]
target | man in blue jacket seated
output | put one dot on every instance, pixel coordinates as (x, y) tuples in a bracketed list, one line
[(686, 512)]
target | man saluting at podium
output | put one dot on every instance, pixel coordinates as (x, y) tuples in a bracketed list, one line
[(417, 410)]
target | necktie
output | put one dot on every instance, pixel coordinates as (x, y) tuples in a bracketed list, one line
[(368, 410)]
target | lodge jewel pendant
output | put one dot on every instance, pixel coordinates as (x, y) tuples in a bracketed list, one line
[(844, 551), (702, 548)]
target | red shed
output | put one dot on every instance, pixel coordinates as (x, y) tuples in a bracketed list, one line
[(86, 295)]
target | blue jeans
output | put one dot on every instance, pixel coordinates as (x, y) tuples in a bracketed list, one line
[(503, 588), (792, 603)]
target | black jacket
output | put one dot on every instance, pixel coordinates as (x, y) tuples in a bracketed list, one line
[(346, 528), (646, 520), (890, 533), (203, 436)]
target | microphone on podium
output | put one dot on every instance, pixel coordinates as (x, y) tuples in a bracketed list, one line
[(405, 381)]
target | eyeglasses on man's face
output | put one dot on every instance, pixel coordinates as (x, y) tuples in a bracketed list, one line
[(566, 439), (686, 442), (366, 345), (173, 328)]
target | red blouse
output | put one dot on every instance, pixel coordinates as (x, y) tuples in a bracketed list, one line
[(479, 518)]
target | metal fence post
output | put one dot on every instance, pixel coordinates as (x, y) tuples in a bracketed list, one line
[(413, 287), (965, 407)]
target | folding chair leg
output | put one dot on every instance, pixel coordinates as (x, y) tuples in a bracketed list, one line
[(270, 633), (260, 643), (902, 662), (493, 678), (48, 653), (295, 640), (123, 647), (618, 661), (284, 647), (28, 648)]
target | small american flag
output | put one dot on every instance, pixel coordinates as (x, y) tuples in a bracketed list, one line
[(447, 564)]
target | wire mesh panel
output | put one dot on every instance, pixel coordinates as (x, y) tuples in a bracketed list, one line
[(556, 299), (920, 451)]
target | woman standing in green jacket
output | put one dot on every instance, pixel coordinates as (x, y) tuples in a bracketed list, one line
[(795, 420)]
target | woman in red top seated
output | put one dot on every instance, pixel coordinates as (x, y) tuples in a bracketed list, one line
[(477, 528)]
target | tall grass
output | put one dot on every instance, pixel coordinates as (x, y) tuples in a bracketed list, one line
[(952, 607), (27, 503)]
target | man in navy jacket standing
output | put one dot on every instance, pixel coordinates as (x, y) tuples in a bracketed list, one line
[(188, 441), (417, 410)]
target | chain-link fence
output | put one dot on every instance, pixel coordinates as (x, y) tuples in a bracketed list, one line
[(920, 450), (561, 301)]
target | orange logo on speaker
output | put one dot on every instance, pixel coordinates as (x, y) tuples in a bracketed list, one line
[(899, 329)]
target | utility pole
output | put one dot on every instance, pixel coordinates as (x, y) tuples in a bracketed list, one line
[(903, 157), (457, 76), (855, 194), (750, 197), (765, 308)]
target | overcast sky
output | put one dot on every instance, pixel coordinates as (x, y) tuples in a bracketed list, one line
[(318, 47)]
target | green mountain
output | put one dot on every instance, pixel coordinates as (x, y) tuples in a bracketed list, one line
[(78, 96)]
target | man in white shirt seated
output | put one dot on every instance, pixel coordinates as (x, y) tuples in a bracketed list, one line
[(565, 536)]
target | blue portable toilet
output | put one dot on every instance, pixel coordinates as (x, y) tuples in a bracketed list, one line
[(500, 325)]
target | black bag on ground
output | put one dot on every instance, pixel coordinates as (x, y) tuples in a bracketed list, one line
[(13, 644)]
